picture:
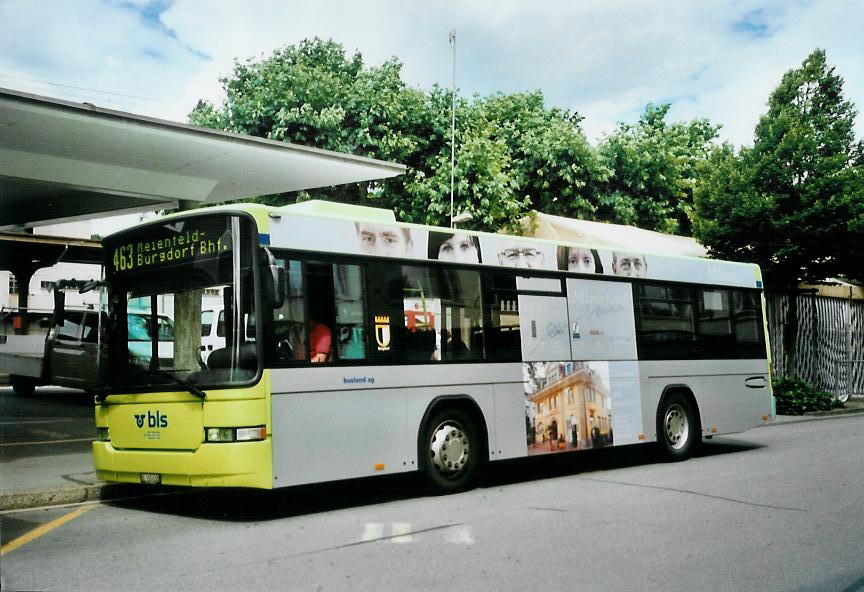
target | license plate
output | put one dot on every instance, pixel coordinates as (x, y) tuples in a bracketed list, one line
[(151, 478)]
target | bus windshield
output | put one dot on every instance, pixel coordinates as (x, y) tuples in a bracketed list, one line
[(163, 279)]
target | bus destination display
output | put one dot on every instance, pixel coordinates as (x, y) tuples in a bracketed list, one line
[(169, 244)]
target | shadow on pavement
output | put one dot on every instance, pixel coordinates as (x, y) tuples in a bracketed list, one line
[(249, 505)]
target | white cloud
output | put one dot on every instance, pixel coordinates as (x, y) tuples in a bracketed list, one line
[(713, 59)]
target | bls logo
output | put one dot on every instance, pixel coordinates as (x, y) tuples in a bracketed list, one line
[(153, 421)]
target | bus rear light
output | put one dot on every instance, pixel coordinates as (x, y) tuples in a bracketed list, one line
[(235, 434)]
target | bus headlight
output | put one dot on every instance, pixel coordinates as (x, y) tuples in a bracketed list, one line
[(235, 434), (102, 434)]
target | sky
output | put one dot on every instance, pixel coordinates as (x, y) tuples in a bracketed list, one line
[(605, 59)]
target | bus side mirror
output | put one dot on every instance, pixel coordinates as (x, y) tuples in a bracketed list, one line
[(59, 307), (273, 281)]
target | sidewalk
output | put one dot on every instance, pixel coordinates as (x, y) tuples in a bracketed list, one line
[(40, 481), (852, 407)]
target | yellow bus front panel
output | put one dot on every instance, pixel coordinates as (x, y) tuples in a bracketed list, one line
[(174, 440)]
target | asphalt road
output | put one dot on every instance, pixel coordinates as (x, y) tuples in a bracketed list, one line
[(63, 417), (777, 508)]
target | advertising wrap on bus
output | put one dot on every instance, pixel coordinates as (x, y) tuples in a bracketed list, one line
[(311, 347)]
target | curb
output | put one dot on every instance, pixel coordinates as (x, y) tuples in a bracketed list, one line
[(816, 415), (28, 500), (848, 411)]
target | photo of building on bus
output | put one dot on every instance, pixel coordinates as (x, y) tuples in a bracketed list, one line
[(568, 406)]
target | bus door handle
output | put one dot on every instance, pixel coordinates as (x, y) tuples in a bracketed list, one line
[(756, 382)]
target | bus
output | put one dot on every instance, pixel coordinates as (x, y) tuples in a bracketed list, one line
[(353, 345)]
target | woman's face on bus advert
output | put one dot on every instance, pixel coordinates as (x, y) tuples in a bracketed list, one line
[(581, 261), (459, 248)]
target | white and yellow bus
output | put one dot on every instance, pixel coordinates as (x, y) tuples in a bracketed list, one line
[(355, 346)]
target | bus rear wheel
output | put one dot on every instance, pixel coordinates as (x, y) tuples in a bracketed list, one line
[(450, 451), (678, 429)]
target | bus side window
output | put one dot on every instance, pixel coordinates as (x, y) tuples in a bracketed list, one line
[(714, 332), (665, 322), (442, 314), (747, 311), (384, 313), (348, 293), (289, 320), (501, 311), (461, 315)]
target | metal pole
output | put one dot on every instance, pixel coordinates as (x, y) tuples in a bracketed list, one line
[(452, 127)]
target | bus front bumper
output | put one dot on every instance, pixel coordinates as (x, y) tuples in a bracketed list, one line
[(236, 464)]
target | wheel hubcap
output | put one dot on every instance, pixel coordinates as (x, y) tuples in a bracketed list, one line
[(449, 448), (677, 427)]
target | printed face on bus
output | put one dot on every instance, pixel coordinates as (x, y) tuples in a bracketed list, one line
[(581, 260), (519, 256), (629, 265), (459, 248), (384, 240)]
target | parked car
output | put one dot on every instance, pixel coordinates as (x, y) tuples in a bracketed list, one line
[(67, 355)]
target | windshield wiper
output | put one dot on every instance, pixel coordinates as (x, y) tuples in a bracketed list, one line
[(103, 393), (177, 380)]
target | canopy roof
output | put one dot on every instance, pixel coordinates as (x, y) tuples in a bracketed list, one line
[(27, 251), (62, 161)]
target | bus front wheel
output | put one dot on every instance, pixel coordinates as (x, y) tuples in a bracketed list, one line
[(678, 429), (450, 451)]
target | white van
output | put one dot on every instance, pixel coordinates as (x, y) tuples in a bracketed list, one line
[(212, 330)]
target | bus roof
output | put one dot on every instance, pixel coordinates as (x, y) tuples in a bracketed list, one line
[(339, 226)]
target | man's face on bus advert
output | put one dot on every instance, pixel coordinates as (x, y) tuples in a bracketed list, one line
[(629, 264), (384, 240)]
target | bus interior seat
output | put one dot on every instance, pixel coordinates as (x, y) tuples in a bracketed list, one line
[(221, 358)]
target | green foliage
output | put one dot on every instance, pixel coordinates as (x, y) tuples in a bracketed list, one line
[(314, 94), (653, 165), (554, 166), (484, 181), (796, 397), (794, 202), (512, 153)]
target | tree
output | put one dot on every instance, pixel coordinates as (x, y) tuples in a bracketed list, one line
[(316, 95), (653, 171), (484, 181), (794, 202), (554, 166), (512, 153)]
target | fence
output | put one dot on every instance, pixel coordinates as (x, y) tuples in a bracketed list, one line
[(829, 343)]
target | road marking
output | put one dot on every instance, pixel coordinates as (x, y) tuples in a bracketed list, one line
[(401, 533), (460, 535), (47, 442), (373, 531), (42, 530)]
